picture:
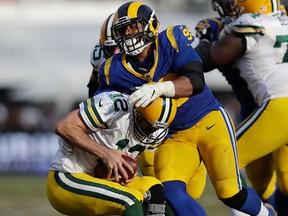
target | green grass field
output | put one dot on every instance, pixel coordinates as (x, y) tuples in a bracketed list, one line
[(25, 195)]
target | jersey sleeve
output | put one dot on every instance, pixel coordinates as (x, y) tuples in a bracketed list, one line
[(103, 109), (181, 40), (215, 23), (249, 25)]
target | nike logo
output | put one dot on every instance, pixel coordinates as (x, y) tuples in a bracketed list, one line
[(100, 104), (208, 128)]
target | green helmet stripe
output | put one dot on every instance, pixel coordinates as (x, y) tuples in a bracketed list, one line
[(166, 110)]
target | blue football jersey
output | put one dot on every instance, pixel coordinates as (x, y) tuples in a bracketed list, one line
[(173, 50)]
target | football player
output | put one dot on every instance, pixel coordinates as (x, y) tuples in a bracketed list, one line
[(102, 51), (257, 43), (154, 65), (105, 127)]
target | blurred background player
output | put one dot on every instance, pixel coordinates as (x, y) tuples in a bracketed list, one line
[(106, 127), (252, 35), (102, 51), (209, 29)]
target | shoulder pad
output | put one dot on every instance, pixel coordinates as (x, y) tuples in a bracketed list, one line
[(179, 35), (99, 111), (249, 23), (216, 24)]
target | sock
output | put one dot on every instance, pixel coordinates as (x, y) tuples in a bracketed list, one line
[(136, 209), (179, 200), (253, 203), (281, 201)]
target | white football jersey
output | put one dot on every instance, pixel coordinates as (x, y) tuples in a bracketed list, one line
[(97, 57), (264, 65), (110, 118)]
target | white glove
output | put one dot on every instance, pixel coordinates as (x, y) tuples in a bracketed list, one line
[(147, 93)]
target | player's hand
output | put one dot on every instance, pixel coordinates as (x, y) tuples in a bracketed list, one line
[(116, 165), (206, 34), (208, 29), (147, 93), (144, 95)]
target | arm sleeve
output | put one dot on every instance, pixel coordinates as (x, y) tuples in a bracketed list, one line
[(194, 72), (203, 50)]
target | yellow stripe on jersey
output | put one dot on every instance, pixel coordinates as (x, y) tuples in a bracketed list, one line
[(171, 37), (181, 101), (130, 69), (133, 9), (219, 23), (249, 29), (93, 116), (216, 20), (147, 76), (106, 70)]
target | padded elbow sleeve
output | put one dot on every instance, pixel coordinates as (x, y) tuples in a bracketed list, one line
[(194, 72)]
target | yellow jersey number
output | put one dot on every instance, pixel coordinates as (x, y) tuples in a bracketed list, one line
[(187, 33)]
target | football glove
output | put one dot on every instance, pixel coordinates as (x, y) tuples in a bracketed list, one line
[(147, 93)]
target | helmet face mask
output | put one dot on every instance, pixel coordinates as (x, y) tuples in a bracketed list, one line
[(135, 27), (143, 130), (226, 8), (270, 7), (151, 123), (131, 44)]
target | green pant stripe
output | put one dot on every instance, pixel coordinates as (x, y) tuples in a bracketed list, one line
[(250, 120)]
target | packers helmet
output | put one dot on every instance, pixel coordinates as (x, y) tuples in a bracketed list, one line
[(234, 8), (106, 40), (259, 6), (159, 114), (143, 19)]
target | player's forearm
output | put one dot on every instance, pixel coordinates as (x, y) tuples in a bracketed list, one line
[(183, 87), (189, 84), (73, 131)]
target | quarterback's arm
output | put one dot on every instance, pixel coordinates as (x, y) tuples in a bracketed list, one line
[(74, 131)]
